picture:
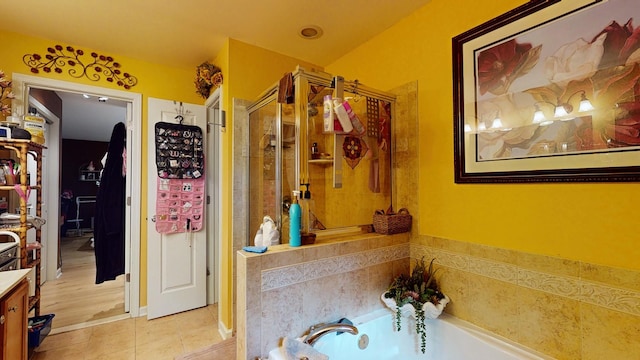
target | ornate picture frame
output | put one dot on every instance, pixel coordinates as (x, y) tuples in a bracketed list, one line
[(549, 92)]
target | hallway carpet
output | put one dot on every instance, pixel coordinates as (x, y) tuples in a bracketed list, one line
[(225, 350)]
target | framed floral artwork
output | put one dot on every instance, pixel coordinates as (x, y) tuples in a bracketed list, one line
[(549, 92)]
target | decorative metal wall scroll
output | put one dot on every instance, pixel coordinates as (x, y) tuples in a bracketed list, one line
[(94, 69)]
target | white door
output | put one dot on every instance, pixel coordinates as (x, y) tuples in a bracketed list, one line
[(176, 262)]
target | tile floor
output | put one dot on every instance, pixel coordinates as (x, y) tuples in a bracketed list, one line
[(135, 338)]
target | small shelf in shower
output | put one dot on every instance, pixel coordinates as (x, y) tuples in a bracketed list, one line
[(323, 162)]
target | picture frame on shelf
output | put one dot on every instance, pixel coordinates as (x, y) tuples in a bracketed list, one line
[(549, 92)]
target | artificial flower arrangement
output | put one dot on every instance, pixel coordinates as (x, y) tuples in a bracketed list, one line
[(417, 295), (207, 76), (5, 94)]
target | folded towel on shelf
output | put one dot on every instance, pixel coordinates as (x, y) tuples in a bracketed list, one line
[(296, 350), (268, 233)]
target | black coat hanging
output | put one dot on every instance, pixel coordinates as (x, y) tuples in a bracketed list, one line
[(109, 232)]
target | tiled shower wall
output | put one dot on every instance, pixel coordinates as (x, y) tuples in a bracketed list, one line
[(284, 291), (563, 308)]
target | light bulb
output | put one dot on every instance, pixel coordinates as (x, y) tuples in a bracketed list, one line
[(560, 111), (482, 126), (585, 105), (497, 123), (538, 117), (467, 128)]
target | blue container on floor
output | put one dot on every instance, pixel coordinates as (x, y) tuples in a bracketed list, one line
[(39, 328)]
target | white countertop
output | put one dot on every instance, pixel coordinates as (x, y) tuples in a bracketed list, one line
[(9, 279)]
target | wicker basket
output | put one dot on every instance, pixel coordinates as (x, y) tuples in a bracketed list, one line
[(392, 223)]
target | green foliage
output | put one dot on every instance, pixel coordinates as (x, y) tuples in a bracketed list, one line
[(417, 289)]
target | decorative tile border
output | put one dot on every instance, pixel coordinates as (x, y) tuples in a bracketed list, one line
[(293, 274), (614, 298)]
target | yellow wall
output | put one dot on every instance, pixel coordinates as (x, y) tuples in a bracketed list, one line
[(153, 81), (248, 71), (593, 222)]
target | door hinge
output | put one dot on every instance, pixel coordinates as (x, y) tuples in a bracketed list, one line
[(208, 199), (208, 272), (128, 200), (127, 277)]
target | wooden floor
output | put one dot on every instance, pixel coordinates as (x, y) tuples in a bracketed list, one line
[(74, 297)]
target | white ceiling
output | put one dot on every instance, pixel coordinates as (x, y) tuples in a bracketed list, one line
[(187, 33), (89, 119)]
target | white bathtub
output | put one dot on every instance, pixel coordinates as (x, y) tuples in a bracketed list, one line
[(448, 338)]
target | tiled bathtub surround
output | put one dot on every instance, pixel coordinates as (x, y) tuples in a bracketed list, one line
[(563, 308), (286, 290)]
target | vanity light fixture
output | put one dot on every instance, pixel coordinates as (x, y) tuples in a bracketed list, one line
[(562, 111), (585, 104), (496, 124), (103, 99), (311, 32)]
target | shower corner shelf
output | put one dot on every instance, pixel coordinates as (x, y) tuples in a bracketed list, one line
[(324, 162)]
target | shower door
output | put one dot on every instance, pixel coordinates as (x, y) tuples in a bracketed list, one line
[(272, 164)]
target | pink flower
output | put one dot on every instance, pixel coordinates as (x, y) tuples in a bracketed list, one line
[(500, 65), (620, 43)]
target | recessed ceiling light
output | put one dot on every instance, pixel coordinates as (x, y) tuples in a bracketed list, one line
[(311, 32), (103, 99)]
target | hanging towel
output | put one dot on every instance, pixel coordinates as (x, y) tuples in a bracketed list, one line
[(296, 350), (374, 176), (285, 89)]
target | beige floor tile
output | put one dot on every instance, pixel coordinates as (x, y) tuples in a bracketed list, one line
[(106, 343), (119, 354), (199, 338), (79, 338), (71, 352), (151, 333), (136, 338), (160, 350), (194, 319)]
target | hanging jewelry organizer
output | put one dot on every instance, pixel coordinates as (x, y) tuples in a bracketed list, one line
[(181, 181)]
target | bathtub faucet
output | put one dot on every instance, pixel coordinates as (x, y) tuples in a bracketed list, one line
[(318, 331)]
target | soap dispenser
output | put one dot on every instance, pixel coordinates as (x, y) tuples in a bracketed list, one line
[(294, 221)]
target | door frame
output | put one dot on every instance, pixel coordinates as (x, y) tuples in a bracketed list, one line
[(215, 125), (21, 85)]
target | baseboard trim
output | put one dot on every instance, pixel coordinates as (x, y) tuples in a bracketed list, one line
[(224, 332)]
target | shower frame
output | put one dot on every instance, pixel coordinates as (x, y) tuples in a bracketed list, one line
[(302, 79)]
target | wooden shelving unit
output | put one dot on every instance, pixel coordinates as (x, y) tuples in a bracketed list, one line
[(29, 253)]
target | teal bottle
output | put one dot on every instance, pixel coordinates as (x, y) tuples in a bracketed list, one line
[(294, 221)]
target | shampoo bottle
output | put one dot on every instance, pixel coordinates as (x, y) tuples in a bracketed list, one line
[(327, 117), (294, 221), (343, 117), (355, 120)]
